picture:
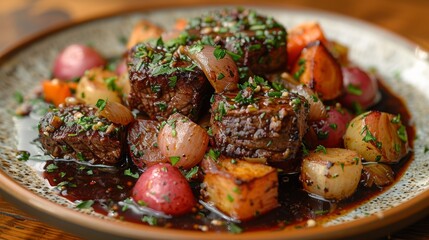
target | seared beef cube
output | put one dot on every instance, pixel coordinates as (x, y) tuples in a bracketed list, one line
[(143, 143), (259, 122), (77, 132), (164, 82), (256, 43)]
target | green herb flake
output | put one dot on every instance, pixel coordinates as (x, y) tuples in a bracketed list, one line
[(174, 160), (128, 172), (80, 156), (220, 76), (155, 88), (305, 151), (101, 104), (234, 228), (23, 155), (354, 89), (19, 98), (51, 167), (191, 173), (320, 148), (333, 126), (396, 119), (219, 53), (402, 133), (196, 48), (321, 212), (151, 220), (111, 83), (230, 198), (172, 81), (214, 154), (85, 204), (378, 158)]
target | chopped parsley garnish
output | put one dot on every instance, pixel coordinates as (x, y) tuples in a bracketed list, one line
[(354, 89), (155, 88), (51, 167), (162, 106), (172, 81), (196, 48), (214, 154), (111, 83), (80, 156), (396, 119), (19, 98), (234, 228), (23, 155), (191, 173), (174, 160), (333, 126), (320, 148), (101, 104), (219, 53), (151, 220), (128, 172), (85, 204), (402, 133), (301, 69), (220, 76)]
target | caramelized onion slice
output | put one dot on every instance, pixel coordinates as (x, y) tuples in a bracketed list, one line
[(221, 71), (317, 108), (182, 141), (115, 112), (377, 173)]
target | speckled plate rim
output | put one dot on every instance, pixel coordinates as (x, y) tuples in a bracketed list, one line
[(94, 228)]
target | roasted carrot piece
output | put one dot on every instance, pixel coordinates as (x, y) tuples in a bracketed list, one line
[(56, 91), (180, 24), (300, 36), (319, 70), (144, 31)]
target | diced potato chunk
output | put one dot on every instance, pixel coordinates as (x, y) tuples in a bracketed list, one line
[(240, 189)]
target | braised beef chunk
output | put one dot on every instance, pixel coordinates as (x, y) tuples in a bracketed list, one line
[(164, 82), (259, 122), (77, 132), (257, 43), (143, 143)]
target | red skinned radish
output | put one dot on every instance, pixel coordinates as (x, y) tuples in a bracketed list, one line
[(162, 187), (74, 60)]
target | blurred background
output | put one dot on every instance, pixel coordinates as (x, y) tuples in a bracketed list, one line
[(22, 18)]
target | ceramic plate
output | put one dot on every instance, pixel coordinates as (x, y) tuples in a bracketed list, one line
[(402, 65)]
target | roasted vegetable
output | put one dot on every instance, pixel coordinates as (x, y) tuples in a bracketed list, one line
[(377, 137), (74, 60), (182, 141), (320, 71), (299, 37), (377, 173), (331, 173), (163, 187), (101, 84), (56, 91), (144, 31), (240, 189)]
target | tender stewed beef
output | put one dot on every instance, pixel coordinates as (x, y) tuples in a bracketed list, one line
[(258, 122), (257, 43), (143, 143), (77, 132), (164, 82)]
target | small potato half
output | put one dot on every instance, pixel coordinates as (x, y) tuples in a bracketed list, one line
[(377, 137), (101, 84), (331, 173)]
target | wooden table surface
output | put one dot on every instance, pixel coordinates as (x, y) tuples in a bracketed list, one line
[(22, 18)]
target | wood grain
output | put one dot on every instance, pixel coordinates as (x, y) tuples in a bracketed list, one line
[(21, 18)]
